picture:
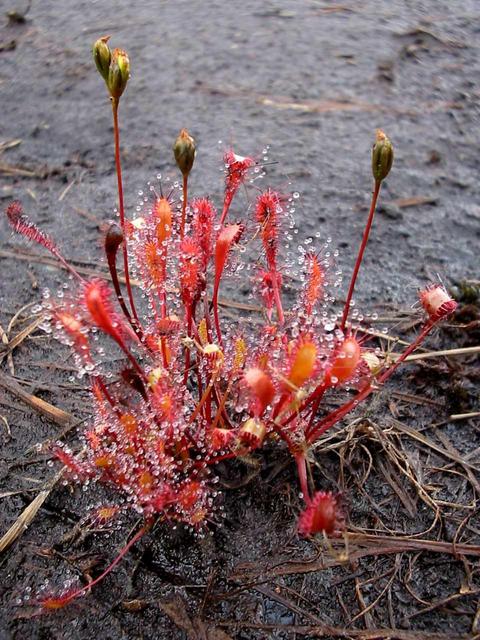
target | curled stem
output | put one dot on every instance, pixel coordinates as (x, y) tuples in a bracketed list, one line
[(121, 207), (112, 266)]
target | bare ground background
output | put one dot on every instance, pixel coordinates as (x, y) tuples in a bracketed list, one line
[(312, 80)]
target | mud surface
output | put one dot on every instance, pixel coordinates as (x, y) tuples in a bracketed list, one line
[(311, 80)]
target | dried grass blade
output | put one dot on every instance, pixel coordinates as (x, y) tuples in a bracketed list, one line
[(463, 351), (24, 333), (26, 517), (416, 435), (60, 417)]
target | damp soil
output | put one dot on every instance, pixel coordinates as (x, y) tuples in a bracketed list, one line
[(311, 81)]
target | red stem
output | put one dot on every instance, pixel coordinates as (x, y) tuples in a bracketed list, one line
[(334, 416), (120, 556), (283, 435), (316, 404), (184, 206), (187, 350), (121, 208), (225, 456), (279, 406), (317, 393), (278, 302), (55, 252), (226, 204), (199, 377), (361, 251), (105, 391), (121, 343), (215, 315), (302, 476), (164, 353), (427, 327), (111, 259), (163, 307)]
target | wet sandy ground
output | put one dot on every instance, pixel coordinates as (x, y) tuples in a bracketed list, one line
[(310, 80)]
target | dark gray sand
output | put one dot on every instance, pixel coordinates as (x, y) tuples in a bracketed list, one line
[(310, 80)]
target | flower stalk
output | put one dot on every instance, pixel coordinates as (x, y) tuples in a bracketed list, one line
[(382, 160)]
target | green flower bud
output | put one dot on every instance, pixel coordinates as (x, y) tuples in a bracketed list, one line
[(382, 156), (102, 56), (184, 151), (118, 73)]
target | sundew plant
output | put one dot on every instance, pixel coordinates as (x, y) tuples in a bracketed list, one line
[(197, 386)]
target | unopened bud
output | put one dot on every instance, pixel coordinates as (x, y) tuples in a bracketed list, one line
[(184, 151), (118, 73), (102, 56), (382, 156)]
